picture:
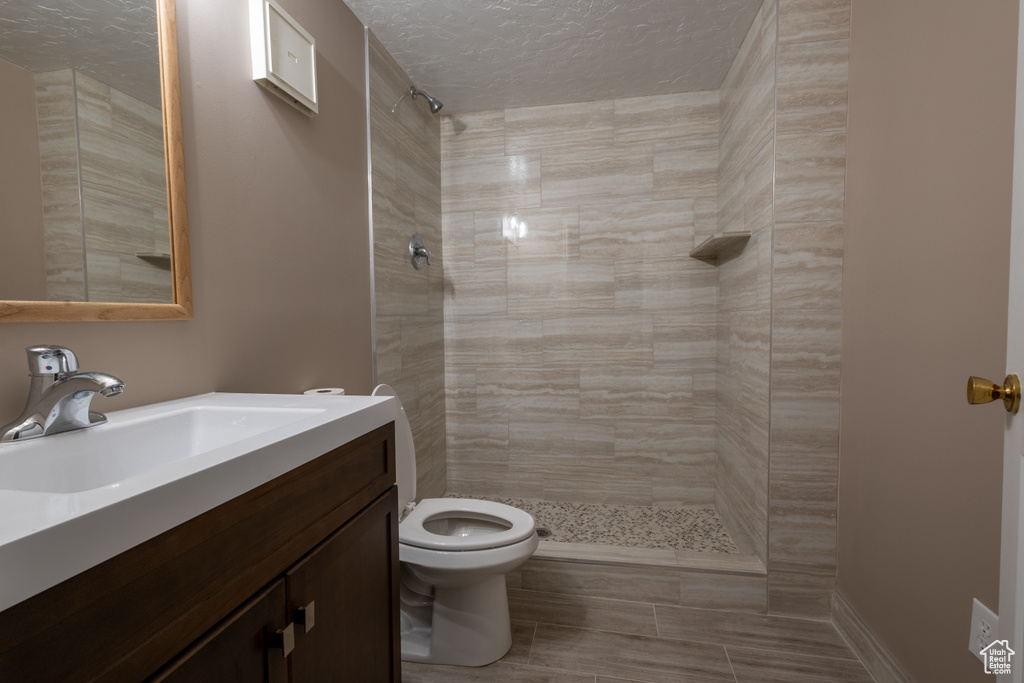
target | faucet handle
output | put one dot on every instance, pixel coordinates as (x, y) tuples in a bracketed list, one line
[(44, 359)]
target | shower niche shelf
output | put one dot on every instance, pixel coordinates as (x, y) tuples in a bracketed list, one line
[(721, 245)]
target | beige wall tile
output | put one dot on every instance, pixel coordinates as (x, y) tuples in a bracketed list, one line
[(674, 284), (685, 117), (494, 341), (804, 21), (608, 487), (476, 290), (804, 486), (808, 265), (633, 230), (554, 235), (419, 168), (806, 347), (459, 235), (545, 288), (608, 337), (479, 134), (597, 175), (528, 394), (388, 337), (566, 446), (812, 86), (478, 442), (482, 183), (810, 177), (559, 128), (406, 182), (634, 392), (685, 170), (399, 288)]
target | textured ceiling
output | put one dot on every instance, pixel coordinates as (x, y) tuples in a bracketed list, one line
[(478, 55), (114, 41)]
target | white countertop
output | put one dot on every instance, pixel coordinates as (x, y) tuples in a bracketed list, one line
[(46, 538)]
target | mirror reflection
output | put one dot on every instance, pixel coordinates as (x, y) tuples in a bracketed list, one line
[(83, 187)]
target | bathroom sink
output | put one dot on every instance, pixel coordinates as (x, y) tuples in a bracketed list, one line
[(71, 501), (122, 449)]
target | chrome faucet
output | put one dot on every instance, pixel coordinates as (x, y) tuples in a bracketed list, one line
[(58, 396)]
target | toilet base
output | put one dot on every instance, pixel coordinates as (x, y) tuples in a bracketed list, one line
[(464, 626)]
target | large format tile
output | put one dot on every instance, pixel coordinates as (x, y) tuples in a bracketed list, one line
[(597, 175), (527, 394), (764, 632), (476, 289), (499, 672), (804, 21), (685, 117), (806, 348), (495, 341), (553, 234), (812, 84), (759, 666), (548, 288), (808, 265), (585, 612), (721, 591), (810, 177), (480, 134), (607, 337), (638, 584), (633, 230), (558, 128), (482, 183), (685, 170), (637, 392), (641, 658)]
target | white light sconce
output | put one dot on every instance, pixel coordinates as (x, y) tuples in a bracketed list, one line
[(283, 56), (514, 227)]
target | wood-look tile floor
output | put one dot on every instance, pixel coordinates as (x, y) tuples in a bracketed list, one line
[(573, 639)]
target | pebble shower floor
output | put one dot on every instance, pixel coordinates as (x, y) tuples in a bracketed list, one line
[(699, 529)]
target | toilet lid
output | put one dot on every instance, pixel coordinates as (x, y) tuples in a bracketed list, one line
[(412, 530), (405, 450)]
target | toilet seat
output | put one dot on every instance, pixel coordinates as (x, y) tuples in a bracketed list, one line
[(411, 530)]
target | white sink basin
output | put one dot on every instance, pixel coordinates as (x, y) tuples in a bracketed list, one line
[(126, 447), (70, 501)]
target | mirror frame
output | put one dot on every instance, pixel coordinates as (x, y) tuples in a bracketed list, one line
[(177, 208)]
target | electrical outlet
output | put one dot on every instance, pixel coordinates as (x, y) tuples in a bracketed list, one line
[(984, 627)]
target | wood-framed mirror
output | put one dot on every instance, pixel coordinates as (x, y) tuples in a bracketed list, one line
[(112, 237)]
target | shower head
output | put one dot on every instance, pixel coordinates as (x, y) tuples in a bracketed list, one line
[(435, 104)]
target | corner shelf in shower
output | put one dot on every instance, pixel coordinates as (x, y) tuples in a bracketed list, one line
[(721, 245), (156, 259)]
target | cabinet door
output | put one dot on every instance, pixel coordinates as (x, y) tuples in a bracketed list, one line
[(351, 580), (240, 649)]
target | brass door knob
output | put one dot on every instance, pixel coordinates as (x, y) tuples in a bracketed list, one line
[(985, 391)]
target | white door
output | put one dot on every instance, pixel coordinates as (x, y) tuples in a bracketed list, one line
[(1011, 570)]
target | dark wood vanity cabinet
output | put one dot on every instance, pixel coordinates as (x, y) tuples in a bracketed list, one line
[(206, 600)]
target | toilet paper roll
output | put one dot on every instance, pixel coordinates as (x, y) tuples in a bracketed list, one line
[(325, 391)]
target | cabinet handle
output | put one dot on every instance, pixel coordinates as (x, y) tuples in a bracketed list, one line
[(306, 616), (284, 639)]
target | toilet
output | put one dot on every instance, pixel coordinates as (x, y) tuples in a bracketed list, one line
[(454, 555)]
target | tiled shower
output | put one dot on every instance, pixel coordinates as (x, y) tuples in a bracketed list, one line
[(588, 359)]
